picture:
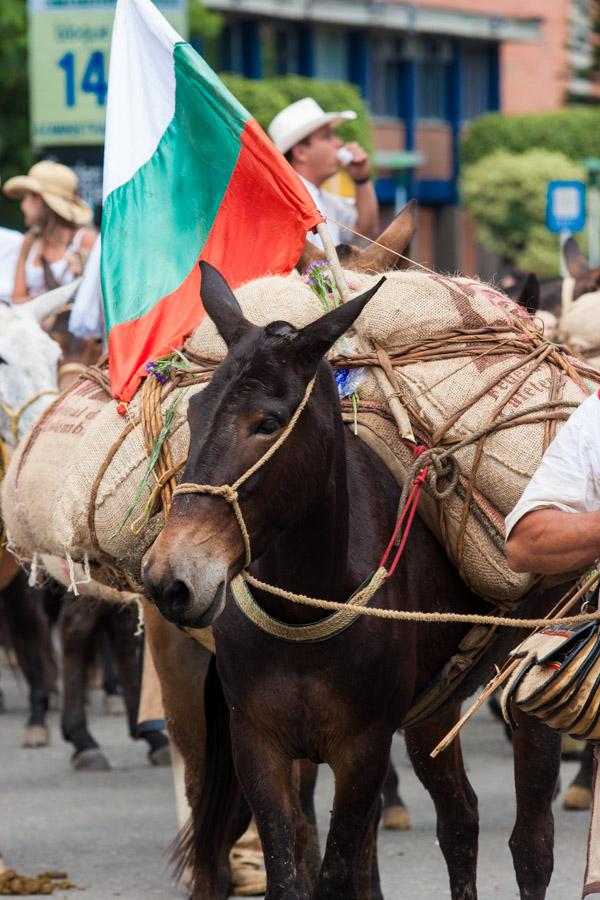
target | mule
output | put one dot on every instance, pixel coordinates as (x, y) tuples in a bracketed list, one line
[(318, 515), (29, 360)]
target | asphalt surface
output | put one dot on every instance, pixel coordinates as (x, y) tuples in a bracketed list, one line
[(111, 831)]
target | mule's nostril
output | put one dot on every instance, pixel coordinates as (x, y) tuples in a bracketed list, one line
[(176, 597)]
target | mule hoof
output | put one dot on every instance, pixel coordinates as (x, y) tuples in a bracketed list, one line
[(396, 818), (161, 756), (578, 798), (36, 736), (248, 875), (90, 760), (114, 705)]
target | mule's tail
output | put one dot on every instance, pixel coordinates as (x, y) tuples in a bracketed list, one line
[(215, 822)]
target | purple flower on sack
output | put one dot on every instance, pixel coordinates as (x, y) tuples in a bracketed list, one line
[(150, 367), (341, 377), (318, 264)]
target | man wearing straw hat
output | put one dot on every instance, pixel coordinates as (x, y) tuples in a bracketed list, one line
[(305, 134)]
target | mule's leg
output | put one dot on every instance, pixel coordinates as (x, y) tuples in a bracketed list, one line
[(360, 768), (537, 763), (265, 773), (30, 638), (396, 817), (182, 664), (454, 799), (579, 793), (78, 621), (121, 625)]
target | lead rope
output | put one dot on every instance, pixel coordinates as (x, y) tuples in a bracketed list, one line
[(14, 416)]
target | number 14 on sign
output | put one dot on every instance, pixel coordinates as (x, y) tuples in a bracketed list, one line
[(93, 80)]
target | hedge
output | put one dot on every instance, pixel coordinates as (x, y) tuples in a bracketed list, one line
[(506, 195), (572, 132), (264, 99)]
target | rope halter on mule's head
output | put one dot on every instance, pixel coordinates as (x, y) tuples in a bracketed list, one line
[(230, 492)]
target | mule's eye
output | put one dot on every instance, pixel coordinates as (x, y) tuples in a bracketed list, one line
[(268, 425)]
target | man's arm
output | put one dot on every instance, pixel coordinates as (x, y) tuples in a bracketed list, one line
[(367, 208), (550, 541)]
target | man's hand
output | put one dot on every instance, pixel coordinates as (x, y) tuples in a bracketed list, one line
[(360, 166), (549, 541)]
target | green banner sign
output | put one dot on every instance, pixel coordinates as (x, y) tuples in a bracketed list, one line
[(69, 44)]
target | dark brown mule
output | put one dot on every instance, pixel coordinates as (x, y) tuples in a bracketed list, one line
[(319, 514)]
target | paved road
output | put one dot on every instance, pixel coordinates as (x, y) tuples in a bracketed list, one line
[(111, 831)]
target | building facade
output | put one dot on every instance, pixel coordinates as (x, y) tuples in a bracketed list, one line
[(425, 69)]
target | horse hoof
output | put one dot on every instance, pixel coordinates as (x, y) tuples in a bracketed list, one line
[(90, 760), (578, 798), (114, 705), (36, 736), (161, 756), (396, 818), (248, 875)]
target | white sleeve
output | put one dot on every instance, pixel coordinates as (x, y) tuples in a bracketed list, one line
[(569, 473), (344, 212)]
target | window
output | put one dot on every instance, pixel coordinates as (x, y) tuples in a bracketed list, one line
[(384, 91), (433, 58), (279, 50), (475, 82), (331, 54)]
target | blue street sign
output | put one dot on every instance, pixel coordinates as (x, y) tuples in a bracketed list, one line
[(565, 206)]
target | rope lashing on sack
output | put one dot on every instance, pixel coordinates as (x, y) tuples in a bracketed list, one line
[(14, 415)]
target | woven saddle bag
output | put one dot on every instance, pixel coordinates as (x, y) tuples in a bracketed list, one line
[(558, 680)]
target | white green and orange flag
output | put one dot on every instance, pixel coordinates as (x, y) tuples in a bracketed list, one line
[(188, 175)]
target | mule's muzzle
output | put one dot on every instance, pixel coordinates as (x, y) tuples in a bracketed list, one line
[(183, 596)]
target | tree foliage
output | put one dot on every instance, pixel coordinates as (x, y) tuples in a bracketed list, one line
[(15, 148), (506, 195), (572, 132)]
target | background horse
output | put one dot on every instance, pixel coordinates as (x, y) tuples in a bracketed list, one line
[(318, 516)]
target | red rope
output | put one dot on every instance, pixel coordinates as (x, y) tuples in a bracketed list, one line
[(407, 516)]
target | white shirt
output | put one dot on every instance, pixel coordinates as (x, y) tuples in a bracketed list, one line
[(332, 207), (10, 247), (568, 477)]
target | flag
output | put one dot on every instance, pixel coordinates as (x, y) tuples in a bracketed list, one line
[(188, 175)]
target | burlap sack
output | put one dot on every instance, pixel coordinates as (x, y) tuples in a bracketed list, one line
[(96, 497), (36, 476), (104, 472), (411, 307)]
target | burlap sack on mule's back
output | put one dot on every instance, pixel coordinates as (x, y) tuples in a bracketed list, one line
[(411, 307), (96, 496), (35, 479)]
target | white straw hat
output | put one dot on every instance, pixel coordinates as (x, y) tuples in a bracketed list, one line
[(300, 119), (58, 187)]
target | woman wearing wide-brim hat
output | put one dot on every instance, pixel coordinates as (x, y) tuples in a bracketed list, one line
[(59, 237)]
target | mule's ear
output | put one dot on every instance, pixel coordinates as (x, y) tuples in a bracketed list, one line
[(577, 264), (528, 294), (221, 304), (314, 340), (383, 255)]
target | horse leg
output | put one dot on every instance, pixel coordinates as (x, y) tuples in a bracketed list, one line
[(30, 638), (121, 623), (537, 765), (396, 817), (265, 773), (78, 620), (454, 799), (349, 867), (181, 664), (579, 793)]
